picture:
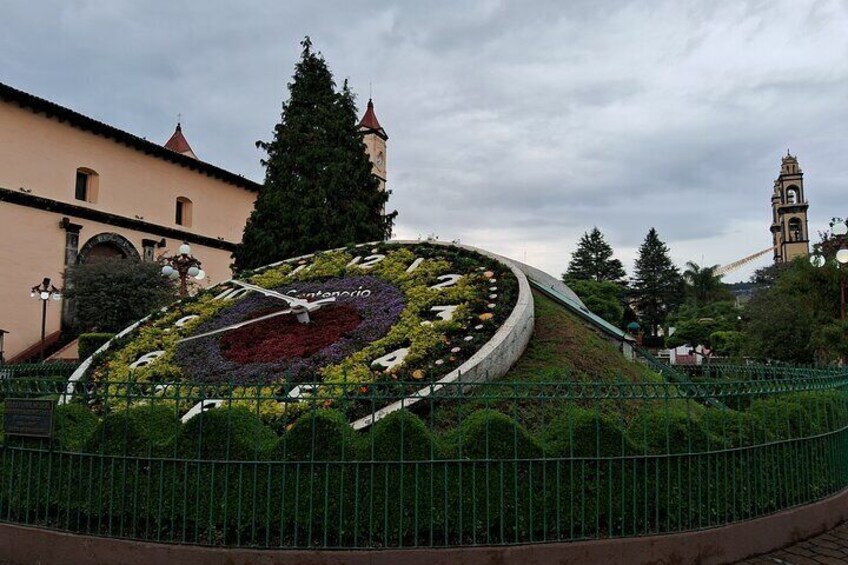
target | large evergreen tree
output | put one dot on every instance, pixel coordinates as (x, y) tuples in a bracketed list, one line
[(319, 192), (657, 285), (593, 260)]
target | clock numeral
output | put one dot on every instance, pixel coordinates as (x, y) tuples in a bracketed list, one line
[(184, 320), (202, 406), (368, 262), (300, 268), (447, 281), (444, 312), (415, 264), (147, 359), (392, 359), (231, 293), (299, 391)]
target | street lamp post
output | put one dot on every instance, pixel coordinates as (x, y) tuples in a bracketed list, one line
[(181, 266), (44, 292), (2, 336), (839, 229)]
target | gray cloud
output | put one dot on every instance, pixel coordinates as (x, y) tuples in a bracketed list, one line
[(513, 125)]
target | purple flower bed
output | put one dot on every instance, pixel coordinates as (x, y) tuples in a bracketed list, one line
[(377, 302)]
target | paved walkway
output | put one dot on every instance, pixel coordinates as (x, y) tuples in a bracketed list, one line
[(830, 548)]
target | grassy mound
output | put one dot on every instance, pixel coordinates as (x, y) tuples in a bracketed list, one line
[(563, 348)]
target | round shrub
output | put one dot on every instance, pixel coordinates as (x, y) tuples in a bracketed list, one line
[(665, 430), (591, 495), (232, 434), (405, 497), (314, 495), (401, 436), (489, 434), (46, 473), (73, 427), (139, 430), (226, 446), (783, 416), (320, 435), (733, 428), (494, 491), (825, 410), (586, 433)]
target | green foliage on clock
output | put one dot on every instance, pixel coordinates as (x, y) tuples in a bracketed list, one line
[(426, 342)]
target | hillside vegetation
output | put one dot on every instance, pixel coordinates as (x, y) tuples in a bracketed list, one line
[(563, 348)]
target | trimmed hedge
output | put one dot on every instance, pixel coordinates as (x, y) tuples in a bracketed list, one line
[(668, 430), (90, 342), (147, 429), (73, 426), (235, 434), (489, 434), (322, 435), (586, 433), (487, 481)]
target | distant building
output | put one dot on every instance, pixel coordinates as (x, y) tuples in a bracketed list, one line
[(789, 206), (73, 190), (743, 291)]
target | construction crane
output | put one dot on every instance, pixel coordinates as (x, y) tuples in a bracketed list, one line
[(730, 267)]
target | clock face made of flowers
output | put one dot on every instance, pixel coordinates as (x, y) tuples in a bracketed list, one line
[(416, 314)]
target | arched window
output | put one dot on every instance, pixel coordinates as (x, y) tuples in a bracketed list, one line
[(183, 212), (86, 185), (792, 195), (795, 230)]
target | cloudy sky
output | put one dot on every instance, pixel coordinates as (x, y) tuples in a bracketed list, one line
[(514, 126)]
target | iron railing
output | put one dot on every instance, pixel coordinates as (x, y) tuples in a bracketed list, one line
[(505, 463)]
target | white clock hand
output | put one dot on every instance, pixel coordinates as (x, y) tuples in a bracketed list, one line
[(236, 326), (300, 307), (295, 302)]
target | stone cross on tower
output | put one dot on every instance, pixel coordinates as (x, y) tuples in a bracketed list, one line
[(789, 212)]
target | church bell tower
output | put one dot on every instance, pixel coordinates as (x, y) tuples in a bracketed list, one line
[(374, 137), (789, 213)]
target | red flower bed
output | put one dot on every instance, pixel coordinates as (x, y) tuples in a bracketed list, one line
[(283, 337)]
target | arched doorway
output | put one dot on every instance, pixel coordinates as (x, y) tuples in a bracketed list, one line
[(105, 246)]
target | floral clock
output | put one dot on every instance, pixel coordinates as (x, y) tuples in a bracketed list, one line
[(415, 314)]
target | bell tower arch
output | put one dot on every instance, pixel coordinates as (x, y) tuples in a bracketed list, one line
[(789, 212)]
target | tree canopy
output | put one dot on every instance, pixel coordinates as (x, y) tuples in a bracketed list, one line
[(697, 325), (657, 285), (319, 192), (604, 298), (797, 319), (109, 295), (704, 285), (593, 260)]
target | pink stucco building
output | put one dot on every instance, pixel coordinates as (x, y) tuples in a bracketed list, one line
[(73, 189)]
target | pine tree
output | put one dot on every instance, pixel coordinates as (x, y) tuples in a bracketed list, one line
[(319, 192), (658, 287), (593, 260)]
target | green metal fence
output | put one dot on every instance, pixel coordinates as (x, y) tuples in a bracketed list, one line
[(505, 463), (51, 371)]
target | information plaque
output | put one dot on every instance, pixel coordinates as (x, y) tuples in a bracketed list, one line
[(28, 417)]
